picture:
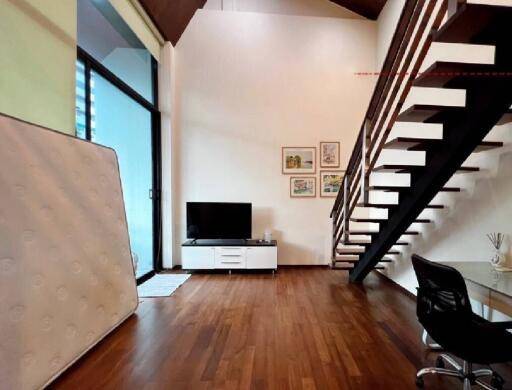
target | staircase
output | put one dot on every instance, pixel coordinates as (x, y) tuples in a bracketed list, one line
[(372, 218)]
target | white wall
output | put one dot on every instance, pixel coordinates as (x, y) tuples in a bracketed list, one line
[(386, 24), (248, 84), (459, 232), (166, 79)]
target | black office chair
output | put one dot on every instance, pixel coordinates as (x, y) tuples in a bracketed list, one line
[(444, 310)]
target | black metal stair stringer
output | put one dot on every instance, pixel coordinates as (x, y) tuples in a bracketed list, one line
[(486, 101)]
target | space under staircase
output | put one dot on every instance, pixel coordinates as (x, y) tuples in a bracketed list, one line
[(364, 239)]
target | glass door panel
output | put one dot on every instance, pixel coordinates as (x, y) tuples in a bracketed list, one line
[(124, 125)]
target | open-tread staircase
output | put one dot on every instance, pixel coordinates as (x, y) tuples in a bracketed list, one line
[(488, 90)]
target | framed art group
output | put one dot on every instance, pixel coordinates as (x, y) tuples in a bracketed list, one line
[(303, 161)]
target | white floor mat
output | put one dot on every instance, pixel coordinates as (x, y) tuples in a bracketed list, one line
[(161, 285)]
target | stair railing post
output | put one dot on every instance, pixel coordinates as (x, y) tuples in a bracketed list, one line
[(334, 238), (365, 162), (345, 209)]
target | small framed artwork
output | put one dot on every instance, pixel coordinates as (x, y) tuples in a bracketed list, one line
[(297, 160), (303, 187), (329, 154), (330, 183)]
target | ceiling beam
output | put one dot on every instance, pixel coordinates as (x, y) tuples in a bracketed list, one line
[(171, 17), (368, 8)]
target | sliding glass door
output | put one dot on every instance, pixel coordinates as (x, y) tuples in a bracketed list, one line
[(124, 125), (109, 113), (117, 106)]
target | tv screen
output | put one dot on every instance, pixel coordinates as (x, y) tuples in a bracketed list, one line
[(219, 220)]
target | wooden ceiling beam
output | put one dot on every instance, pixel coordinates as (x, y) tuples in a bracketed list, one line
[(171, 17), (368, 8)]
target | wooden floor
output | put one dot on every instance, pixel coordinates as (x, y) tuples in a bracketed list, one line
[(299, 329)]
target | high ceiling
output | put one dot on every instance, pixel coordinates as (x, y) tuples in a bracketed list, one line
[(172, 16)]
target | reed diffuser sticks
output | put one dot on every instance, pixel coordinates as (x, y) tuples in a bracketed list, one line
[(496, 239)]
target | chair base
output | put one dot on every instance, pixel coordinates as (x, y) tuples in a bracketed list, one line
[(465, 373)]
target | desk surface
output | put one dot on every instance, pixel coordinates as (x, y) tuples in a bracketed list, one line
[(484, 274)]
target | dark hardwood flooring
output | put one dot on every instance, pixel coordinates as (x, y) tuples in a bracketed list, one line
[(299, 329)]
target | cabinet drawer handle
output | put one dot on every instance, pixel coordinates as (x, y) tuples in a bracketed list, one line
[(231, 255), (230, 262)]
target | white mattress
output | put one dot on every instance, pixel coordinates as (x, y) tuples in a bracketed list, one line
[(66, 273)]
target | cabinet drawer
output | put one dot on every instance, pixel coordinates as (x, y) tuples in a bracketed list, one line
[(230, 257), (230, 251)]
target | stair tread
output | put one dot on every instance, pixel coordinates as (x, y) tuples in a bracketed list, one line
[(346, 268), (468, 23), (368, 242), (357, 242), (378, 220), (377, 205), (402, 168), (506, 118), (359, 251), (391, 205), (488, 145), (351, 261), (443, 74), (398, 189), (410, 143), (427, 113), (349, 251), (421, 144), (435, 206), (375, 232), (347, 257)]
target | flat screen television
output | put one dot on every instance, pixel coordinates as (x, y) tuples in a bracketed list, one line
[(208, 220)]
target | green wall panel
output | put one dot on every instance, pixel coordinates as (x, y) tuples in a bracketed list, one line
[(37, 61)]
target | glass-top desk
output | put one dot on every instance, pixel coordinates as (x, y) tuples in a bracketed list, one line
[(487, 286), (491, 289)]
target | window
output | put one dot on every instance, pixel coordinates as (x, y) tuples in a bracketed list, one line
[(80, 100), (107, 38)]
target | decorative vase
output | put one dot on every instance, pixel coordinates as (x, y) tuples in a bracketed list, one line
[(499, 259)]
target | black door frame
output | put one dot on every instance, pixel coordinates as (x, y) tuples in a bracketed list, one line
[(91, 64)]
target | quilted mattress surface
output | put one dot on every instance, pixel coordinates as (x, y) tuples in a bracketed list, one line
[(66, 273)]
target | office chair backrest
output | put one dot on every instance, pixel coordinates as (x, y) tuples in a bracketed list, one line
[(442, 292)]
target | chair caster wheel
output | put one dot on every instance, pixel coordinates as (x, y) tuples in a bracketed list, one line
[(419, 382), (440, 362), (497, 381)]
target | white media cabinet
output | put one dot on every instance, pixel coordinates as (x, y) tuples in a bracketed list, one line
[(229, 255)]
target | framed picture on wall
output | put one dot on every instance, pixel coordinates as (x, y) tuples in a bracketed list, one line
[(297, 160), (330, 183), (303, 187), (329, 154)]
